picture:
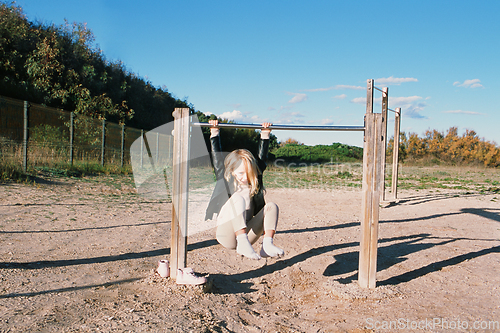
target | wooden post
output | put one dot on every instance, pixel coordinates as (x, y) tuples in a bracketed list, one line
[(103, 141), (372, 161), (71, 136), (178, 249), (385, 106), (369, 96), (25, 137), (395, 153)]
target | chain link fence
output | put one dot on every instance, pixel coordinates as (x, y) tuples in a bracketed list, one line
[(34, 135)]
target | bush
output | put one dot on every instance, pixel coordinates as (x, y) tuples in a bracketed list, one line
[(336, 152)]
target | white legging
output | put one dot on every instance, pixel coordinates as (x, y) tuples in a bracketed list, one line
[(232, 217)]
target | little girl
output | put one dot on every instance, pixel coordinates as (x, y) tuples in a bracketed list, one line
[(238, 198)]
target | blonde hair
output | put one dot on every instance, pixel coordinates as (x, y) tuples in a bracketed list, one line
[(233, 161)]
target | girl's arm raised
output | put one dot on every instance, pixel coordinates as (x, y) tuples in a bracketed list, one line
[(217, 159), (214, 129), (266, 131), (263, 146)]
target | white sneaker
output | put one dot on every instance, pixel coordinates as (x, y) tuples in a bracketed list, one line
[(187, 276)]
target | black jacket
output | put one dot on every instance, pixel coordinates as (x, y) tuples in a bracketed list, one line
[(224, 189)]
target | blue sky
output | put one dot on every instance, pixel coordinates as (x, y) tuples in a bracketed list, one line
[(307, 62)]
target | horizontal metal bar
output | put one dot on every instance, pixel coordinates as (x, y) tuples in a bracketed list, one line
[(378, 89), (395, 111), (287, 127)]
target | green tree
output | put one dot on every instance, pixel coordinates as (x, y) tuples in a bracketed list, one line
[(60, 66)]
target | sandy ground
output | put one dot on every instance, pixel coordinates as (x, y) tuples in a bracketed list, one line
[(80, 257)]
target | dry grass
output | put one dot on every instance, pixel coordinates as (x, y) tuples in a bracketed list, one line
[(348, 175), (53, 161)]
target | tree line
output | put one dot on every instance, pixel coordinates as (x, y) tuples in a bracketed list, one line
[(434, 147), (447, 147), (60, 66)]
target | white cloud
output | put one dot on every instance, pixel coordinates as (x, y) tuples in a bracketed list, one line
[(319, 89), (233, 115), (289, 118), (464, 112), (474, 83), (297, 98), (343, 96), (337, 87), (284, 116), (241, 117), (394, 80), (359, 100), (344, 86), (401, 101), (410, 105), (394, 102), (413, 111), (327, 122)]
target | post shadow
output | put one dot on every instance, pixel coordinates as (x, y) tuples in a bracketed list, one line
[(60, 290), (436, 266), (484, 212), (230, 281), (422, 199), (82, 229), (387, 255), (83, 261)]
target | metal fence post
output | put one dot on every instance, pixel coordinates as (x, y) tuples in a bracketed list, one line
[(25, 137), (103, 141), (157, 146), (142, 147), (122, 151), (71, 136)]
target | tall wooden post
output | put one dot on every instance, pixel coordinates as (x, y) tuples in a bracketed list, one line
[(385, 106), (180, 177), (372, 161), (369, 96), (395, 153)]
